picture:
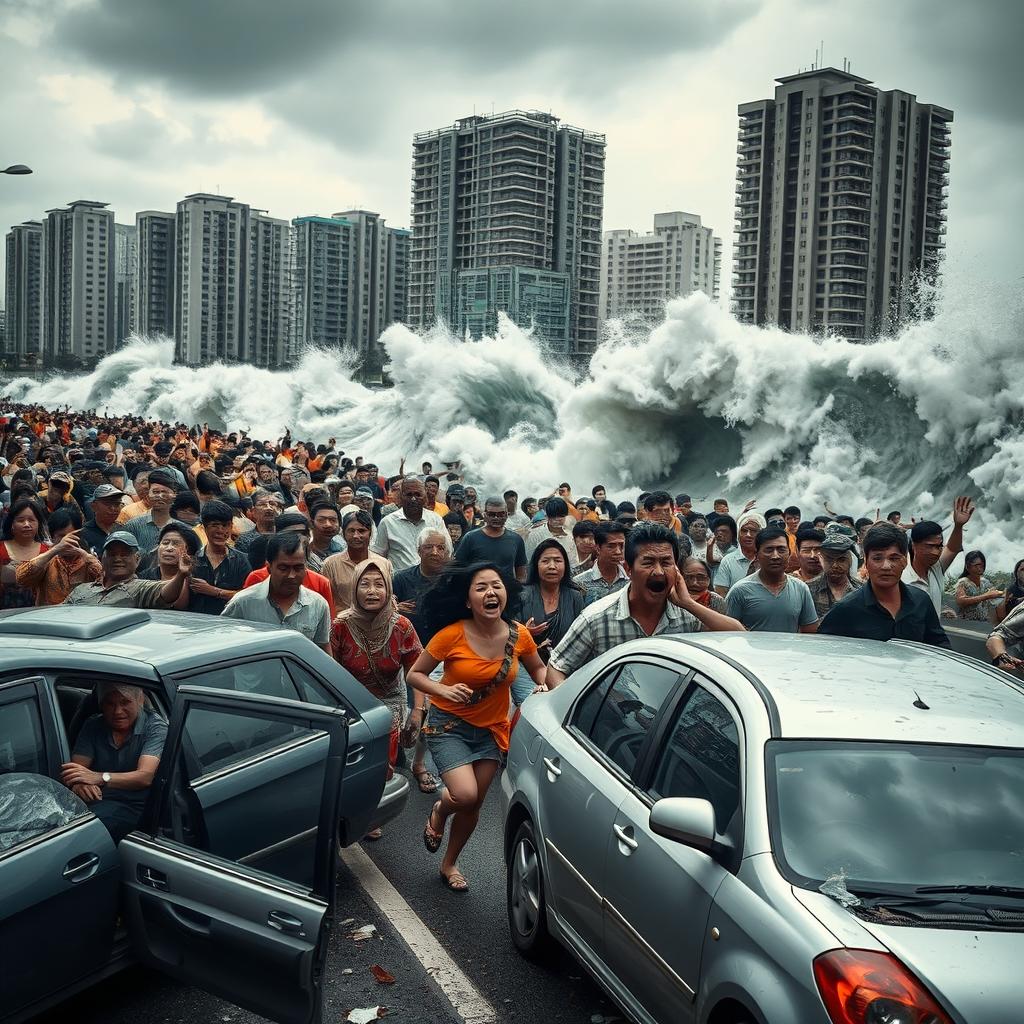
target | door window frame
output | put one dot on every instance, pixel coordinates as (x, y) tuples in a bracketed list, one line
[(683, 675), (700, 680), (274, 709), (45, 708)]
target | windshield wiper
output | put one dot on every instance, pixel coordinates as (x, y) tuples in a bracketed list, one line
[(1011, 891)]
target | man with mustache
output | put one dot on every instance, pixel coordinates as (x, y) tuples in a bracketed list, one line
[(656, 602)]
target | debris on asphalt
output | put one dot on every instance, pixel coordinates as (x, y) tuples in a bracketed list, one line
[(365, 1015), (347, 970), (384, 977), (363, 933), (348, 921)]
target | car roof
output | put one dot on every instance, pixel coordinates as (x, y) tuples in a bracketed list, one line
[(847, 688), (167, 640)]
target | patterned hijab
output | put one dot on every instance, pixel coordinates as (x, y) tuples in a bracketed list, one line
[(371, 630)]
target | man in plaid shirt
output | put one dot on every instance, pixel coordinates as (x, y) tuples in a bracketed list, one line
[(656, 602)]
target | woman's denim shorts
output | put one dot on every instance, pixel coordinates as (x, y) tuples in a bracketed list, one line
[(462, 743)]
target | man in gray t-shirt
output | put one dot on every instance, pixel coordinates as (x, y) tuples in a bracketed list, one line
[(769, 600), (116, 756)]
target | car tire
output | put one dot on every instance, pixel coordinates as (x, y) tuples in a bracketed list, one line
[(524, 888)]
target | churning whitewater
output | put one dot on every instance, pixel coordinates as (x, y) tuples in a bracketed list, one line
[(701, 403)]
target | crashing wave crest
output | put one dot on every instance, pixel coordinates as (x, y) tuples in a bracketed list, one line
[(700, 403)]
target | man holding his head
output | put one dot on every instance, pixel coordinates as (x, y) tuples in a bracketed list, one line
[(656, 602)]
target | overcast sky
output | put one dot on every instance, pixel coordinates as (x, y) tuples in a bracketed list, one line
[(309, 106)]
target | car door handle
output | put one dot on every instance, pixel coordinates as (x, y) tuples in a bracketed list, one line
[(552, 767), (78, 869), (285, 923), (153, 878), (355, 755), (624, 837)]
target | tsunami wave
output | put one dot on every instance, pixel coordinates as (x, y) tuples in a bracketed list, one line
[(700, 403)]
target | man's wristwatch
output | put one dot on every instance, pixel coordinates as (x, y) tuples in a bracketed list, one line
[(1000, 658), (106, 777)]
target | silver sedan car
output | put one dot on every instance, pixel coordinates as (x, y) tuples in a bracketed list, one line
[(736, 828)]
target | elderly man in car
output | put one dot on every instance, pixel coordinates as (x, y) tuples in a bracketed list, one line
[(116, 756)]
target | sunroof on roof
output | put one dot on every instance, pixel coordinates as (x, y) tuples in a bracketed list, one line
[(71, 623)]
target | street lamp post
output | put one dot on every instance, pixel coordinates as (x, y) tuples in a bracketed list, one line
[(16, 169)]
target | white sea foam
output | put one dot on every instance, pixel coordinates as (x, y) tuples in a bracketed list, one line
[(701, 403)]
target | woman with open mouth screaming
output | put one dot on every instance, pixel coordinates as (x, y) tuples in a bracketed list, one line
[(468, 726)]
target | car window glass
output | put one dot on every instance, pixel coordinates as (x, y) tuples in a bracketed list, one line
[(230, 818), (32, 805), (21, 738), (629, 711), (589, 705), (267, 676), (310, 688), (701, 757), (220, 739)]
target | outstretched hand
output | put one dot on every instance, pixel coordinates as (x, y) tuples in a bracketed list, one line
[(963, 509)]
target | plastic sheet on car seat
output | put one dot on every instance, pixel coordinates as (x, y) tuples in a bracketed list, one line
[(33, 804)]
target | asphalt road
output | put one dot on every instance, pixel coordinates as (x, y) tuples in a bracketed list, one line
[(471, 928)]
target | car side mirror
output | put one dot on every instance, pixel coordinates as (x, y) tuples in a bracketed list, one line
[(685, 820)]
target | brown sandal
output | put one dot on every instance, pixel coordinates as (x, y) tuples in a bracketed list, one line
[(455, 881), (432, 838), (426, 780)]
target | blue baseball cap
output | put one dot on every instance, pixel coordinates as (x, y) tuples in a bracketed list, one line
[(121, 537)]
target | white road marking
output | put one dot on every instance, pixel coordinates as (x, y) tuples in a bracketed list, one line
[(468, 1003)]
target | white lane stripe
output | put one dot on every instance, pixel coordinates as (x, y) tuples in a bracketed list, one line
[(468, 1003)]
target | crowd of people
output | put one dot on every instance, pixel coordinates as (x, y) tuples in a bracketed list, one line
[(450, 606)]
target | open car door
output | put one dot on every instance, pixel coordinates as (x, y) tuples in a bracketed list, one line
[(256, 939)]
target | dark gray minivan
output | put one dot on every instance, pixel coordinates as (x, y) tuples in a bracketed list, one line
[(274, 755)]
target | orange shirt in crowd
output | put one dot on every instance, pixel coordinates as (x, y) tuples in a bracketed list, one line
[(463, 665)]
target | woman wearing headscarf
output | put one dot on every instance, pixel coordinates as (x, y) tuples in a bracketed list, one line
[(375, 643), (737, 562)]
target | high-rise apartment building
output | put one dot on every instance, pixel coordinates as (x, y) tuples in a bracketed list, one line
[(640, 273), (267, 291), (350, 277), (78, 295), (24, 291), (321, 262), (494, 196), (396, 296), (840, 205), (154, 287), (212, 249), (126, 269)]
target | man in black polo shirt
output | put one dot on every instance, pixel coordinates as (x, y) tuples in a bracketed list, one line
[(886, 608), (219, 570)]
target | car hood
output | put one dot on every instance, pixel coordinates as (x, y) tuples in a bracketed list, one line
[(973, 972)]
